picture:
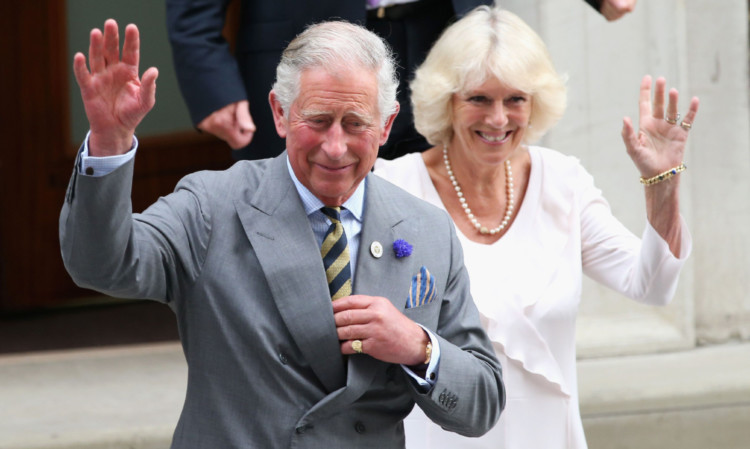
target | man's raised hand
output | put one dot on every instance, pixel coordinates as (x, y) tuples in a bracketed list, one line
[(114, 97)]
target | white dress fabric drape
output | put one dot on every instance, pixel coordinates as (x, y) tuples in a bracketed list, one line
[(527, 287)]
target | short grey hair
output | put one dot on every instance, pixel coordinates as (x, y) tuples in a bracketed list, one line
[(487, 42), (332, 44)]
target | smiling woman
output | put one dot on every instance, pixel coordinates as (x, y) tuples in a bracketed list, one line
[(531, 220)]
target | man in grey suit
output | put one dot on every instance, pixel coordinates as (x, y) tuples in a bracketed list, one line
[(273, 362)]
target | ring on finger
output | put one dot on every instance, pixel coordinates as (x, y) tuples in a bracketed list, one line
[(357, 346), (672, 121), (686, 126)]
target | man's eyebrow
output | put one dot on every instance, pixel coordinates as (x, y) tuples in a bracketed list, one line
[(309, 113)]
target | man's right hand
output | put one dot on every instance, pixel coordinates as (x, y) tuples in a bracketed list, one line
[(232, 124), (114, 98), (614, 9)]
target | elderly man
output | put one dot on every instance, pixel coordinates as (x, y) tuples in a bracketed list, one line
[(316, 303)]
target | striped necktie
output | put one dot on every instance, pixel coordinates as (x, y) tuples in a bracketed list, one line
[(335, 252)]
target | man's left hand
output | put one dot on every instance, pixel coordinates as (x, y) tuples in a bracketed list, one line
[(385, 332)]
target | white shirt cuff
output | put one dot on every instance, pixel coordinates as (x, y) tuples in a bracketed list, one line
[(431, 374), (100, 166)]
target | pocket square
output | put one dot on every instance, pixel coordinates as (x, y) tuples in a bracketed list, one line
[(422, 290)]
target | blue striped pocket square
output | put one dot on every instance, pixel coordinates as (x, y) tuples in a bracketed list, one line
[(422, 290)]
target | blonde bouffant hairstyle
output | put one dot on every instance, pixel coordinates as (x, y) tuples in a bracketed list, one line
[(488, 41)]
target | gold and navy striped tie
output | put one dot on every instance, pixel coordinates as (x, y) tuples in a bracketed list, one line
[(335, 252)]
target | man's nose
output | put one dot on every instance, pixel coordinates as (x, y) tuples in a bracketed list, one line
[(335, 142)]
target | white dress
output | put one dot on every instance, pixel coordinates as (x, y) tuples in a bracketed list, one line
[(527, 287)]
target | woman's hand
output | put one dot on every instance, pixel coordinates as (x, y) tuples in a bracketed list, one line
[(659, 144), (114, 98)]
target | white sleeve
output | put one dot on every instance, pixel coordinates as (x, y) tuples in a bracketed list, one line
[(100, 166)]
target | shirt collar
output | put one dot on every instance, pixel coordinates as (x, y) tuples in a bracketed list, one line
[(355, 204)]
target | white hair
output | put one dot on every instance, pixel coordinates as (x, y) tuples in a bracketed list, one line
[(487, 42), (334, 44)]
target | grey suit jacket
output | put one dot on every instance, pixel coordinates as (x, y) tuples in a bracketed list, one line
[(232, 253)]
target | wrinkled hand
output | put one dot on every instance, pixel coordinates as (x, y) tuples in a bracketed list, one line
[(385, 332), (614, 9), (114, 98), (658, 145), (232, 124)]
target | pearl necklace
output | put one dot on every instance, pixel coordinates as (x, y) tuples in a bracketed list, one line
[(509, 204)]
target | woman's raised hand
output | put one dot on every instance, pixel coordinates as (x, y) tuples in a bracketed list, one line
[(659, 143)]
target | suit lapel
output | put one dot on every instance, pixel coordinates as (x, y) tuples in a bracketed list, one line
[(376, 276), (276, 225)]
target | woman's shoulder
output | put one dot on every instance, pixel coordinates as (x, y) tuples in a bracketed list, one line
[(408, 172), (399, 168), (555, 165)]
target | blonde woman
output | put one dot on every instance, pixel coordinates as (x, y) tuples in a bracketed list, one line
[(530, 219)]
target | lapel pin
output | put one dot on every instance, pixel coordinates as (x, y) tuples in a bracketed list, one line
[(376, 249)]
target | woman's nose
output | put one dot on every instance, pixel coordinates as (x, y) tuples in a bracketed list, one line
[(498, 116)]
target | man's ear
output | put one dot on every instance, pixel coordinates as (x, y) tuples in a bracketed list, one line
[(279, 119), (388, 125)]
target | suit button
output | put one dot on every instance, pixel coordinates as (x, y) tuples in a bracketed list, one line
[(359, 427), (282, 358)]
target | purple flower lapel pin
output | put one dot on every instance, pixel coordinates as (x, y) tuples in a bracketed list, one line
[(402, 248)]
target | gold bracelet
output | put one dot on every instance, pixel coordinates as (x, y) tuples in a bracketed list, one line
[(663, 176)]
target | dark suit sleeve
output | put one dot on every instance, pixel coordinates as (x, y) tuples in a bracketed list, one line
[(596, 4), (207, 72)]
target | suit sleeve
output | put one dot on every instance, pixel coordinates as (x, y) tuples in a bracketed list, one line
[(207, 72), (468, 395), (108, 249), (596, 4)]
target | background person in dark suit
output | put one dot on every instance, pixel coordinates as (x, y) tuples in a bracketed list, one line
[(240, 256), (227, 93)]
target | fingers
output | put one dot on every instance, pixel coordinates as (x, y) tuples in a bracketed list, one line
[(628, 133), (352, 302), (148, 87), (104, 48), (244, 119), (692, 112), (111, 42), (96, 51), (83, 77), (672, 114), (614, 9), (349, 347), (245, 125), (658, 107), (225, 125), (131, 46), (644, 100)]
